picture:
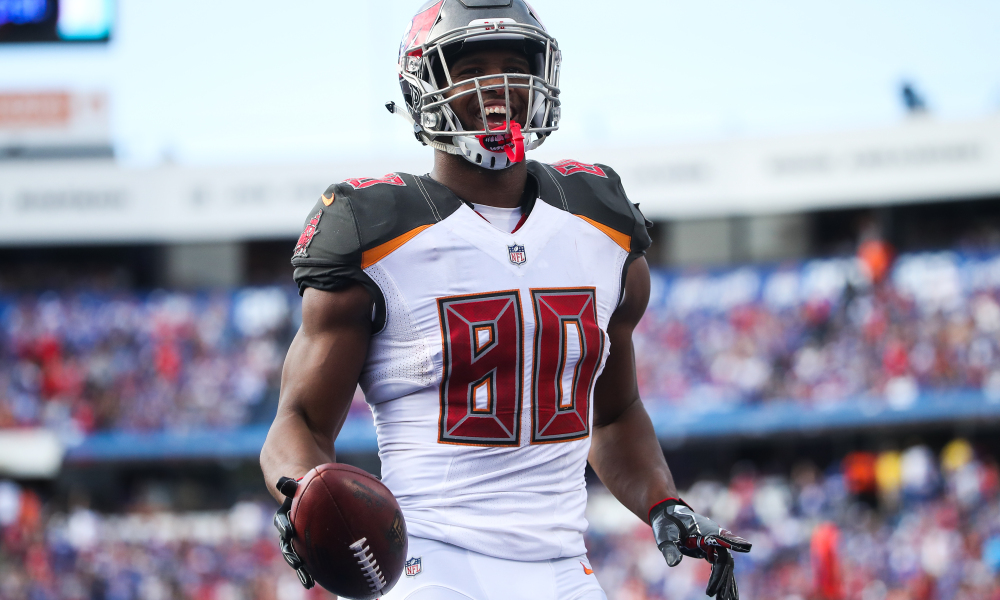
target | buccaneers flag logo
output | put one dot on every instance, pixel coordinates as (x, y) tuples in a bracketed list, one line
[(420, 27), (359, 183), (568, 167), (307, 236)]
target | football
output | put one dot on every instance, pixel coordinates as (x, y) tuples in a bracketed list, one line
[(349, 531)]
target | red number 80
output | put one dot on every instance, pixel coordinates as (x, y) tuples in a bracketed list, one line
[(481, 389)]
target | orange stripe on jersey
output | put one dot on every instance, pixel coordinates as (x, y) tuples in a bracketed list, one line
[(370, 257), (623, 240)]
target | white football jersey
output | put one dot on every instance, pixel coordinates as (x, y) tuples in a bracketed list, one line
[(487, 346)]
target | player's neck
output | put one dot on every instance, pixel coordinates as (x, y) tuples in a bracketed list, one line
[(502, 189)]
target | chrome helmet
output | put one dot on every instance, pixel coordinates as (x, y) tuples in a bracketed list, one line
[(439, 32)]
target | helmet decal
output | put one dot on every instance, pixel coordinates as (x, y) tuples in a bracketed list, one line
[(534, 13), (420, 26)]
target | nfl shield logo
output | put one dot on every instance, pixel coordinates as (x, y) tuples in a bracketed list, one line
[(517, 256), (412, 567)]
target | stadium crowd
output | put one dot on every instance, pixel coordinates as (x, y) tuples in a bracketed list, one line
[(163, 360), (878, 526), (906, 525), (814, 333), (823, 332)]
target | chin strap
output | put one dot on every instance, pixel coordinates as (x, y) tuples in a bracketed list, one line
[(393, 108)]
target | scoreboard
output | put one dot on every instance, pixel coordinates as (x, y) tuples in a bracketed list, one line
[(23, 21)]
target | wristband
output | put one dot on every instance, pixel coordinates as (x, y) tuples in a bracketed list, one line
[(668, 502), (287, 486)]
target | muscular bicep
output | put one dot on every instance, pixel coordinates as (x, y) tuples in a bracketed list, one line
[(617, 388), (326, 357), (318, 381)]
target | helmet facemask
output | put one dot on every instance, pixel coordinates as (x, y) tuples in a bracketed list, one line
[(430, 92)]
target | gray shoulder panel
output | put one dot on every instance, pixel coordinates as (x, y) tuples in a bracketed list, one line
[(353, 219), (594, 192)]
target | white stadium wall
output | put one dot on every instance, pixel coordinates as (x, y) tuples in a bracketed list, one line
[(919, 160), (59, 202)]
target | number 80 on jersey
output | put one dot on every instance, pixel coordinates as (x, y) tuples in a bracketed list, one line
[(484, 362)]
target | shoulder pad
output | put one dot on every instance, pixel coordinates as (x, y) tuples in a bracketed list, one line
[(595, 193), (356, 223)]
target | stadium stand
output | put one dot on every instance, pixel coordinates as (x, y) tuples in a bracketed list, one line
[(823, 332), (892, 525), (162, 360), (817, 344)]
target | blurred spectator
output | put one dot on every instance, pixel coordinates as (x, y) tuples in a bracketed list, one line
[(859, 474), (825, 553), (876, 257)]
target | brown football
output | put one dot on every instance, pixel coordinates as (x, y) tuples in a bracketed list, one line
[(349, 531)]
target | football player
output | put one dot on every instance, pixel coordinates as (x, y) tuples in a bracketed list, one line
[(486, 310)]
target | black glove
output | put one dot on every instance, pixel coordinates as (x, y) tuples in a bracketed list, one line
[(681, 531), (287, 486)]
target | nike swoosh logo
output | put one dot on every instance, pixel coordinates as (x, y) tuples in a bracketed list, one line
[(586, 570)]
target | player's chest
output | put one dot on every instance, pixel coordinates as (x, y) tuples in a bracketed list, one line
[(466, 255), (508, 320)]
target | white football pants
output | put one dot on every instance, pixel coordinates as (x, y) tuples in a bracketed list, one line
[(448, 572)]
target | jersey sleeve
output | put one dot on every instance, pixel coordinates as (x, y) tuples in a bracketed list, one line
[(328, 254), (358, 222)]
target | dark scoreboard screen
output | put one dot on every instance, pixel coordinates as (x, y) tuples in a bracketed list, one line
[(23, 21)]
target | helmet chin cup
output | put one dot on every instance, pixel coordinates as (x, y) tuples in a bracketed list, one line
[(493, 151)]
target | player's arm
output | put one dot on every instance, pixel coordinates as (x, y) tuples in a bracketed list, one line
[(318, 382), (624, 450), (626, 455)]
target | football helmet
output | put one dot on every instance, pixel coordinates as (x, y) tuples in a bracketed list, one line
[(439, 32)]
